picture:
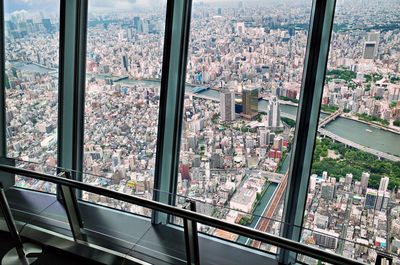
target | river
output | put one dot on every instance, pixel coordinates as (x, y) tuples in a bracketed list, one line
[(366, 135)]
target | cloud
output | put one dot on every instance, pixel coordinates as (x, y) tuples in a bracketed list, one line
[(123, 5), (32, 6)]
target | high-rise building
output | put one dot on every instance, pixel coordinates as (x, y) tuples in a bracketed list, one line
[(383, 185), (385, 202), (278, 143), (369, 50), (327, 191), (370, 199), (274, 114), (371, 45), (47, 24), (271, 137), (364, 181), (313, 182), (379, 200), (324, 175), (250, 101), (382, 200), (357, 187), (129, 34), (264, 137), (227, 105), (137, 24), (349, 178), (125, 62), (146, 25)]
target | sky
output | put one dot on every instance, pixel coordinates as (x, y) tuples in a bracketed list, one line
[(52, 6), (31, 6)]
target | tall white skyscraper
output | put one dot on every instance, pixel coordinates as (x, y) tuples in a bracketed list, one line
[(274, 114), (384, 184), (364, 181), (227, 105)]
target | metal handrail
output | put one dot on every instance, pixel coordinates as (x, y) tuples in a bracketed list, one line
[(192, 216)]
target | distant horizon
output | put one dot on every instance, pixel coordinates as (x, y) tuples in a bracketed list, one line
[(52, 7)]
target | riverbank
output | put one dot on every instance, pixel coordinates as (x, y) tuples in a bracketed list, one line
[(373, 124)]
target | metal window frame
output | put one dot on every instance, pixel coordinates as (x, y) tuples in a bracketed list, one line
[(71, 95), (320, 31), (172, 95), (3, 125)]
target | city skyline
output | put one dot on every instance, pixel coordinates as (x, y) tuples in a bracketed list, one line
[(232, 166)]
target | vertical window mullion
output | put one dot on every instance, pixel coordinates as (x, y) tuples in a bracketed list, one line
[(71, 84), (171, 102), (321, 23), (3, 144), (80, 87)]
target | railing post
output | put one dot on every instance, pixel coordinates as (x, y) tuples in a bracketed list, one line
[(71, 207), (316, 58), (191, 238), (12, 228), (7, 179), (27, 252)]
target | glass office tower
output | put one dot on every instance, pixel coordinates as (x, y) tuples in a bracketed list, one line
[(282, 117)]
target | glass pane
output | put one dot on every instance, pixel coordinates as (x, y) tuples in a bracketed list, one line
[(31, 81), (38, 209), (124, 59), (31, 183), (352, 204), (114, 228), (250, 219), (244, 75)]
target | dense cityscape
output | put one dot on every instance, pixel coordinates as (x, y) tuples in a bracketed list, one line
[(244, 76)]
